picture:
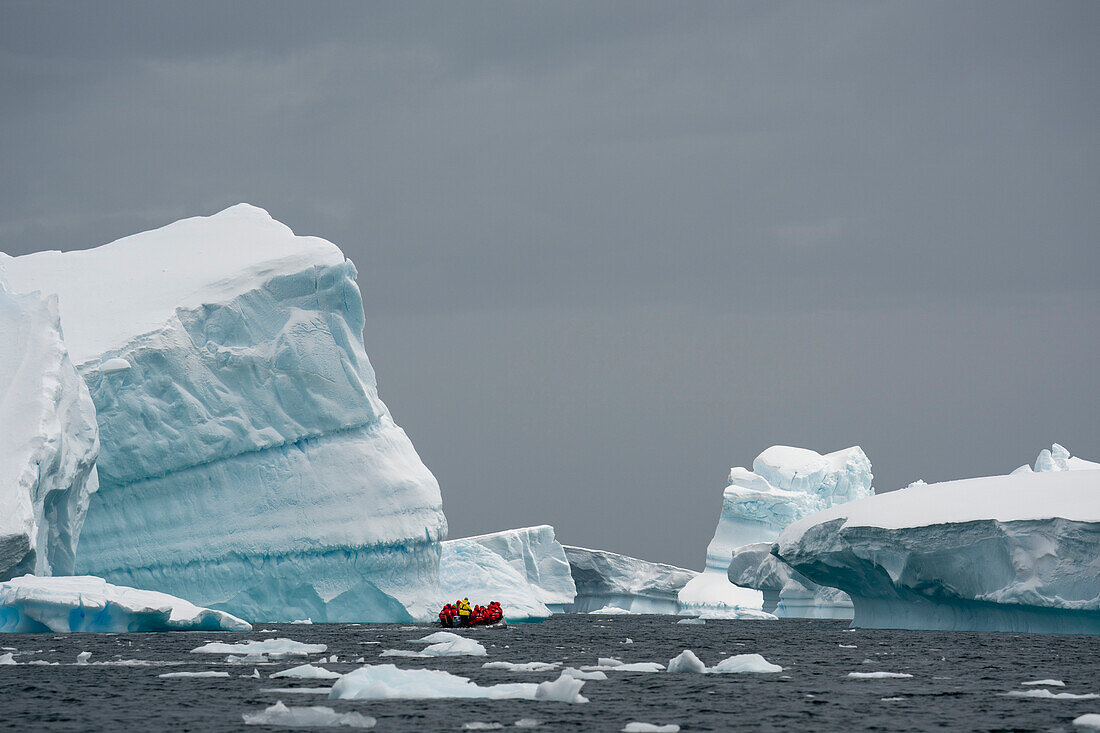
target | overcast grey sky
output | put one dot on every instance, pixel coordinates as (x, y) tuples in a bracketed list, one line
[(609, 250)]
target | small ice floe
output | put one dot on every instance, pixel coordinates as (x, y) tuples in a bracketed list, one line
[(610, 611), (387, 682), (650, 728), (272, 647), (478, 725), (402, 653), (686, 661), (847, 646), (1046, 694), (8, 658), (251, 658), (527, 723), (83, 657), (254, 676), (745, 664), (612, 664), (208, 673), (307, 717), (307, 672), (692, 621), (594, 675), (1044, 683), (879, 675), (297, 690), (269, 631), (1090, 721), (523, 666), (306, 621), (441, 644), (628, 640), (891, 699)]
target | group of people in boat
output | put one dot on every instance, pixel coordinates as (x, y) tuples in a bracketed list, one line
[(461, 613)]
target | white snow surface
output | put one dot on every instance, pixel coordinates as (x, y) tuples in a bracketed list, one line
[(246, 462), (82, 603), (387, 682), (49, 439), (525, 569), (606, 579), (315, 716)]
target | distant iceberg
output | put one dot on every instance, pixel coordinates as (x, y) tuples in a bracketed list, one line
[(1001, 553), (525, 569), (245, 459), (79, 603), (607, 580), (48, 439)]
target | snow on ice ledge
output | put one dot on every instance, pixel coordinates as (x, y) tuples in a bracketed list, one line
[(81, 603), (605, 579), (48, 440), (525, 569), (246, 461), (1001, 553)]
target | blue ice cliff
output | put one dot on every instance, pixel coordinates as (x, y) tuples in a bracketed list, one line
[(48, 439), (1001, 553), (606, 579), (245, 460)]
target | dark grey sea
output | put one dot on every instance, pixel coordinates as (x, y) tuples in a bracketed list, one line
[(960, 681)]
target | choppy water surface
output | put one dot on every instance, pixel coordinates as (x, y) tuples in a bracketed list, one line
[(958, 682)]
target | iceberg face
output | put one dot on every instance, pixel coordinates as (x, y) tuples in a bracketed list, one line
[(33, 604), (1002, 553), (525, 569), (50, 440), (605, 579), (246, 460), (787, 592)]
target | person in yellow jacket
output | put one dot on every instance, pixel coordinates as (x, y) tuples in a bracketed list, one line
[(464, 611)]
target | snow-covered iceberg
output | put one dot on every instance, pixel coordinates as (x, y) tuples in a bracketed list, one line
[(80, 603), (525, 569), (48, 439), (1001, 553), (787, 592), (1057, 458), (605, 579), (246, 462)]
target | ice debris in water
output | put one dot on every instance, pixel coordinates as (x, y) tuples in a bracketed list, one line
[(252, 658), (283, 647), (387, 682), (1088, 720), (692, 621), (307, 717), (83, 657), (523, 666), (442, 644), (307, 672), (527, 723), (610, 611), (1048, 695), (686, 661), (208, 673), (593, 675), (610, 663), (7, 659), (478, 725), (1048, 683), (879, 675), (637, 727), (306, 621)]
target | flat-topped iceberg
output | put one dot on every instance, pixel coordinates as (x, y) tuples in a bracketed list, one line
[(607, 580), (1001, 553), (525, 569), (48, 439), (33, 604), (246, 461)]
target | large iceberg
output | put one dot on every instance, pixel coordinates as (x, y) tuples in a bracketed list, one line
[(246, 462), (1001, 553), (787, 592), (606, 579), (49, 439), (525, 569), (62, 604)]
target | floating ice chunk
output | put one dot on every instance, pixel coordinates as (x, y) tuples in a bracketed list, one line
[(457, 648), (306, 621), (879, 675), (565, 688), (594, 675), (1088, 720), (527, 723), (83, 657), (284, 647), (307, 672), (252, 658), (686, 661), (523, 666), (628, 640), (611, 664), (637, 727), (1048, 695), (7, 659), (254, 676), (1047, 683), (387, 682), (208, 673), (478, 725), (745, 663), (610, 611), (86, 603), (891, 699), (403, 653), (692, 621), (307, 717), (847, 646), (297, 690), (439, 637)]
